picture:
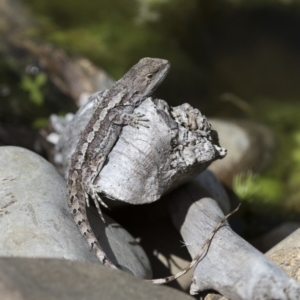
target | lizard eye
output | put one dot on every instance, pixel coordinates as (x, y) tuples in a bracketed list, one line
[(149, 76)]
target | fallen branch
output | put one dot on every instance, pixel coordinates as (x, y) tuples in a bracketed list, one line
[(232, 266), (198, 256)]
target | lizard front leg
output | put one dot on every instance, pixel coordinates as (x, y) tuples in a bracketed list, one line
[(124, 115)]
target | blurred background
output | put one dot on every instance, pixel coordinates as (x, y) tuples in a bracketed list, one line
[(235, 60)]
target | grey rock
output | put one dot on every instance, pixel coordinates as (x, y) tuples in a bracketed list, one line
[(35, 220), (36, 279), (286, 255), (215, 297)]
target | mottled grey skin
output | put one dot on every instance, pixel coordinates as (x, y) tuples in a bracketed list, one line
[(111, 112)]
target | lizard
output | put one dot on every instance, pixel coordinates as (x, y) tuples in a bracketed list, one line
[(112, 111)]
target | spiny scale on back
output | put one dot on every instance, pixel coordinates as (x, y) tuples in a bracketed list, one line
[(113, 110)]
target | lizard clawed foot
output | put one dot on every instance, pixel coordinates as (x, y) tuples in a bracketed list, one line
[(91, 191), (138, 119)]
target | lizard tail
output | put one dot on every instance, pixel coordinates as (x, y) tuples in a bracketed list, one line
[(78, 209)]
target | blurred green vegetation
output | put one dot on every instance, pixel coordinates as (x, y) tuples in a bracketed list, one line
[(214, 46), (247, 48), (261, 191), (276, 191), (23, 99), (284, 118), (115, 34), (34, 87), (26, 100)]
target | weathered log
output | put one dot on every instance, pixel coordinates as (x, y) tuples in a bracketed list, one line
[(230, 266), (215, 189), (147, 162)]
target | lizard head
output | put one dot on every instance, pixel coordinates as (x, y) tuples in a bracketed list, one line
[(143, 78)]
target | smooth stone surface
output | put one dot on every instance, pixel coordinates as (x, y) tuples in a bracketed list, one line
[(37, 279), (35, 219), (286, 255), (249, 145)]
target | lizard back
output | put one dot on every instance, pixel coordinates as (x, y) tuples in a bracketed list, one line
[(115, 110)]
